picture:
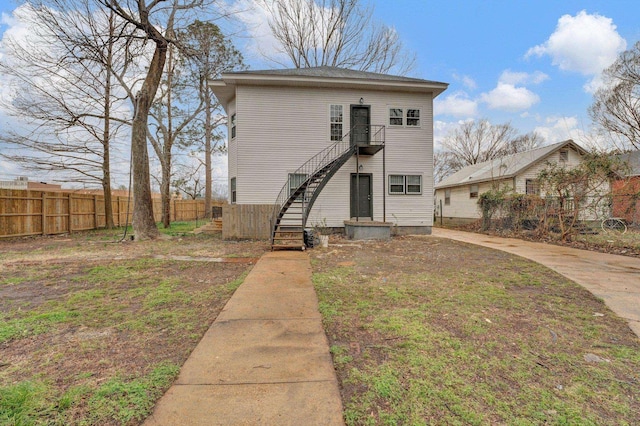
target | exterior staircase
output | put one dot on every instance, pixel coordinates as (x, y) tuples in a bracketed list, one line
[(293, 204)]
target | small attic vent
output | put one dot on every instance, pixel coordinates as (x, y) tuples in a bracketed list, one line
[(564, 155)]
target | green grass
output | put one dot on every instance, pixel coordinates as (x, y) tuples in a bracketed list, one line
[(470, 343), (126, 400), (121, 399), (97, 340), (33, 323)]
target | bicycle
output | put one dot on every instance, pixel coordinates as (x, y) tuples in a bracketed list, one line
[(614, 224)]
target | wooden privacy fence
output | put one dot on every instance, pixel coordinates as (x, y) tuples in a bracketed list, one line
[(246, 221), (24, 213)]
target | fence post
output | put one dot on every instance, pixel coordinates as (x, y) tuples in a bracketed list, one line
[(44, 213), (70, 215), (95, 211)]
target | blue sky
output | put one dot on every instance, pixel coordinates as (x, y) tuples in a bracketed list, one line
[(477, 41), (532, 63)]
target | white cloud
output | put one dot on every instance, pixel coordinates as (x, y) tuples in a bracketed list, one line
[(585, 43), (467, 81), (515, 78), (255, 17), (457, 104), (508, 97), (557, 129), (442, 128)]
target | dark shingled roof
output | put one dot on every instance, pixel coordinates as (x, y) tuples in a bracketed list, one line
[(334, 72)]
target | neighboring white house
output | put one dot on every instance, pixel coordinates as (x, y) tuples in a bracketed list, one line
[(457, 195), (279, 119)]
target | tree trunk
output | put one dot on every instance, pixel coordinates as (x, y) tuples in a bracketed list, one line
[(144, 225), (165, 188), (207, 154), (106, 135)]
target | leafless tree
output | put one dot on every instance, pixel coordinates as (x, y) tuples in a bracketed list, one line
[(171, 113), (156, 21), (338, 33), (209, 54), (66, 88), (189, 181), (616, 106), (478, 141)]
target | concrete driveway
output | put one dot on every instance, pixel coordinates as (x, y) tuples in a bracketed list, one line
[(613, 278)]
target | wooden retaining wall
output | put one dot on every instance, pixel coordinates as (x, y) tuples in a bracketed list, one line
[(24, 213)]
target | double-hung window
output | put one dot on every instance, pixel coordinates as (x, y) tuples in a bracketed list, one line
[(405, 184), (404, 117), (295, 180), (396, 117), (413, 117), (447, 197), (233, 190), (336, 117), (473, 191), (532, 187), (233, 126)]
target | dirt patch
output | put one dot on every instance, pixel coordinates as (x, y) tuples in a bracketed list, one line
[(80, 312)]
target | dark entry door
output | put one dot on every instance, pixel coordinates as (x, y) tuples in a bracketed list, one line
[(360, 124), (361, 201)]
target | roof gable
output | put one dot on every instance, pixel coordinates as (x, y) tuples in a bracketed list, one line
[(328, 77), (504, 167)]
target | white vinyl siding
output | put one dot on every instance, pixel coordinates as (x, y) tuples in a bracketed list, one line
[(268, 150)]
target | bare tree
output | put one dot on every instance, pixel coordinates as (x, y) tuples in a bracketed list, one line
[(169, 117), (338, 33), (616, 106), (66, 90), (209, 54), (156, 22), (189, 181), (479, 141)]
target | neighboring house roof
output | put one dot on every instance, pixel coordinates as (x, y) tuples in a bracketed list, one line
[(324, 76), (504, 167), (633, 161)]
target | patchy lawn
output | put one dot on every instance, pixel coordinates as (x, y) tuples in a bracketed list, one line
[(430, 331), (93, 331)]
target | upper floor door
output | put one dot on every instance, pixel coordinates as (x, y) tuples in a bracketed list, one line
[(360, 123)]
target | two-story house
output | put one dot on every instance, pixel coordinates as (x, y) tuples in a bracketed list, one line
[(327, 145)]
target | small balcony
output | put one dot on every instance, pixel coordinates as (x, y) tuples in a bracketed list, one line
[(369, 139)]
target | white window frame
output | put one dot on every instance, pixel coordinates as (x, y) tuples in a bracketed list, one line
[(405, 184), (339, 122), (447, 197), (233, 190), (419, 123), (232, 122), (472, 193), (401, 117), (405, 117)]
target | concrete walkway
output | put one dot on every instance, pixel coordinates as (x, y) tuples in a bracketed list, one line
[(613, 278), (265, 360)]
